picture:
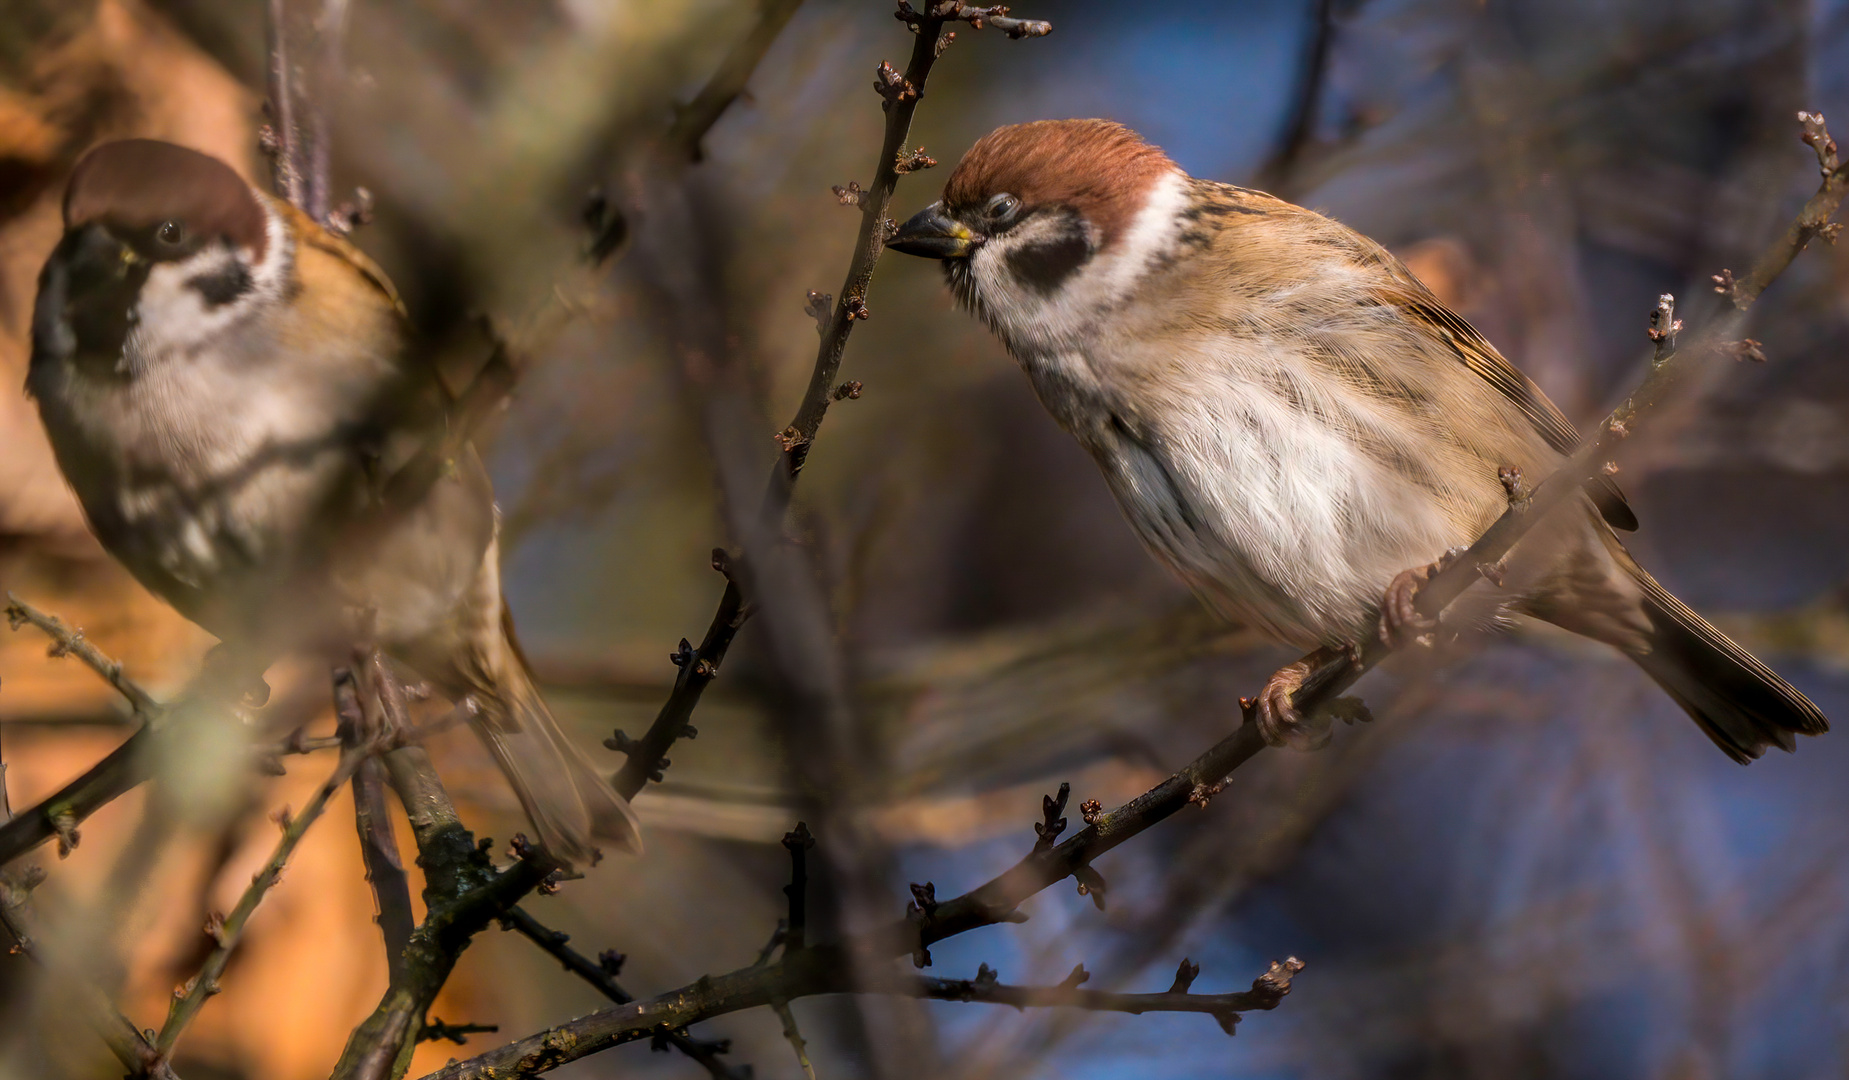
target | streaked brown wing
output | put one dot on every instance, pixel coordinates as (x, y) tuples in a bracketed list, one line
[(1426, 311)]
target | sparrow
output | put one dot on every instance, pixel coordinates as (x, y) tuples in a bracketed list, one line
[(230, 390), (1294, 424)]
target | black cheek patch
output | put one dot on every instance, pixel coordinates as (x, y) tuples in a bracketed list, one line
[(1045, 266), (220, 287)]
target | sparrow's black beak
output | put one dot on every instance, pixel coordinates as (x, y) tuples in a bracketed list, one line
[(932, 235)]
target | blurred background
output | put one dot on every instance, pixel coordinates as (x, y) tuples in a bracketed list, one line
[(1532, 865)]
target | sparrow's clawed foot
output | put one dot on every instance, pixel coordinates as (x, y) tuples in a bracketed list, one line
[(1279, 722), (1400, 621)]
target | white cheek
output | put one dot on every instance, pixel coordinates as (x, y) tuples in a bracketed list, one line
[(174, 317), (172, 314), (1033, 323)]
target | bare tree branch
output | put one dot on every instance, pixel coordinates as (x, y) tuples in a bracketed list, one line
[(129, 1045), (601, 973), (1267, 991), (698, 666), (69, 642), (228, 930), (829, 970), (463, 893)]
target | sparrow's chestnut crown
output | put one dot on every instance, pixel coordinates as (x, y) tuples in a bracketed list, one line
[(166, 197), (1098, 168)]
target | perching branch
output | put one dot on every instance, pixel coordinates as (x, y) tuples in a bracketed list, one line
[(391, 887), (1592, 461), (463, 894), (941, 11)]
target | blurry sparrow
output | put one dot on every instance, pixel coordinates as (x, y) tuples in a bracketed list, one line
[(1290, 420), (229, 388)]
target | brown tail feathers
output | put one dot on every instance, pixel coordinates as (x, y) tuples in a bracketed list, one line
[(568, 802), (1742, 704)]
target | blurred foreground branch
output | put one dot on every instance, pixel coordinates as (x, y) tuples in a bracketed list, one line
[(129, 1044)]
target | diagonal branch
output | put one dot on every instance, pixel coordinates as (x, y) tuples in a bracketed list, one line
[(647, 756), (601, 973), (830, 970), (1592, 461), (69, 642), (129, 1045), (391, 886), (228, 930)]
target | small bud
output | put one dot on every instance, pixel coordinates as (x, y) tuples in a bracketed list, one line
[(818, 308), (1203, 793), (914, 161), (1746, 349), (893, 86)]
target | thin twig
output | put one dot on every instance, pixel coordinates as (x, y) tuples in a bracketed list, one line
[(794, 1035), (121, 769), (229, 929), (1267, 991), (1306, 103), (601, 973), (124, 1040), (797, 842), (330, 72), (391, 886), (59, 814), (1813, 221), (647, 756), (70, 642), (829, 970)]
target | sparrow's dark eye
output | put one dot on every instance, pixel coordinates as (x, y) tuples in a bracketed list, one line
[(171, 233), (1002, 208)]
